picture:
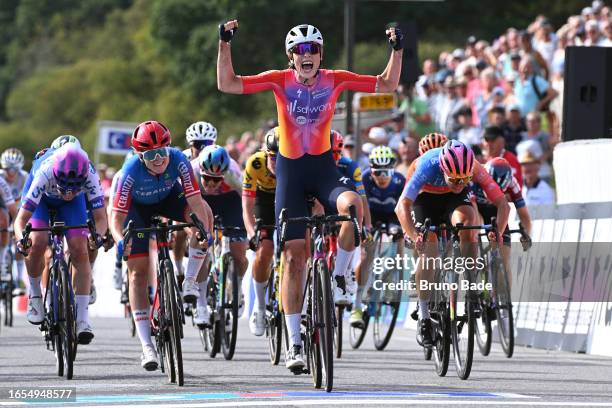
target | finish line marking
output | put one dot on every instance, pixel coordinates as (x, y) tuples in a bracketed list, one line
[(189, 399)]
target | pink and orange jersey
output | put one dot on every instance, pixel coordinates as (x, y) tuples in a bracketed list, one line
[(305, 112)]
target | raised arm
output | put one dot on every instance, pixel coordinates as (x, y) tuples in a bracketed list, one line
[(389, 79), (227, 80)]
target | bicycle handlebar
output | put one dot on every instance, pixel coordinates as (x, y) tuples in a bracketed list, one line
[(57, 228)]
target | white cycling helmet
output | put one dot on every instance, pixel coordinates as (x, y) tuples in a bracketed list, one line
[(64, 139), (382, 157), (303, 33), (12, 158), (201, 131)]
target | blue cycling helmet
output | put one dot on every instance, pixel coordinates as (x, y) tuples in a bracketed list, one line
[(214, 161)]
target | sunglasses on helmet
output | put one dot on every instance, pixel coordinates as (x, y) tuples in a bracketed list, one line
[(151, 155), (303, 48), (458, 180), (382, 172)]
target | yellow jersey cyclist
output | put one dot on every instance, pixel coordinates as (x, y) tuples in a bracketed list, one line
[(220, 182), (258, 191), (305, 97), (345, 282), (383, 187), (198, 135), (12, 173), (437, 188)]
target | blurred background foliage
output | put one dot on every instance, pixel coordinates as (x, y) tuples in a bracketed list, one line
[(65, 64)]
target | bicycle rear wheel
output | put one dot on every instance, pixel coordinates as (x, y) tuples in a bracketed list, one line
[(274, 324), (503, 311), (174, 320), (324, 322), (483, 331), (67, 323), (229, 307)]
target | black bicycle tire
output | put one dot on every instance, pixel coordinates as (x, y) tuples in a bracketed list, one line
[(228, 343), (312, 344), (339, 310), (326, 332), (53, 327), (8, 296), (213, 333), (68, 324), (441, 352), (484, 344), (357, 339), (176, 322), (463, 363), (507, 344), (163, 332), (274, 324), (379, 343)]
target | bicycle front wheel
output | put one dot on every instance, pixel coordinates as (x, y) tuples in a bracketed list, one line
[(356, 333), (229, 307), (67, 320), (174, 321), (385, 317), (462, 334), (324, 306), (503, 311)]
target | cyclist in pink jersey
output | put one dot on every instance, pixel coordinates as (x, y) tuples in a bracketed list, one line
[(305, 97)]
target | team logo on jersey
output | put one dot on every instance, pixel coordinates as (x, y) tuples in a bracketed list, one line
[(344, 180), (124, 194), (186, 177)]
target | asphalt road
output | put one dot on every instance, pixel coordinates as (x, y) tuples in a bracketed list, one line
[(108, 373)]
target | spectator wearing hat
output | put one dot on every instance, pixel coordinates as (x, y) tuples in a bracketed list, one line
[(494, 146), (513, 127), (532, 92), (535, 190), (407, 153)]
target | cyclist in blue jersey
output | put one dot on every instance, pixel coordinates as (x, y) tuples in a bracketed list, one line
[(57, 184), (436, 189), (351, 175), (149, 186), (383, 187)]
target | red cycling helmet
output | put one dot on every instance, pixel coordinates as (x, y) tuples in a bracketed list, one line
[(150, 135)]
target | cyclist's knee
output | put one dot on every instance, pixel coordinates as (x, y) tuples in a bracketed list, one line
[(295, 255), (39, 244), (348, 198)]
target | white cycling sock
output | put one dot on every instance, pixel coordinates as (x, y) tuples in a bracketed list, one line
[(358, 297), (423, 309), (260, 295), (293, 322), (343, 260), (202, 299), (82, 306), (143, 326), (20, 269), (35, 286), (196, 259)]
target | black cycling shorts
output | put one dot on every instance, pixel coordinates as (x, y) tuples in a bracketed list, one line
[(437, 207), (264, 211), (297, 178), (229, 207)]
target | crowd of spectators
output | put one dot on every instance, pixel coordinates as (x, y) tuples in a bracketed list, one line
[(501, 97)]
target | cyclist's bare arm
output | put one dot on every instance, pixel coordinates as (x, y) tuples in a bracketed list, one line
[(389, 79), (101, 222), (404, 214), (116, 225), (523, 214), (248, 207), (227, 80), (503, 211), (202, 210), (23, 216)]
